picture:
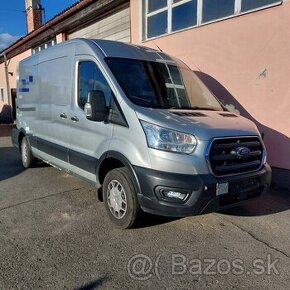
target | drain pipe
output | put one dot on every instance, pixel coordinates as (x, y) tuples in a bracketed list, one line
[(7, 83)]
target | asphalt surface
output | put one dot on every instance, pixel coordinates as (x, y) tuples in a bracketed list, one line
[(54, 234)]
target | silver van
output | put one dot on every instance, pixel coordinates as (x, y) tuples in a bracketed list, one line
[(140, 126)]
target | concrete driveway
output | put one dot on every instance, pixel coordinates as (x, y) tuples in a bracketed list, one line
[(55, 235)]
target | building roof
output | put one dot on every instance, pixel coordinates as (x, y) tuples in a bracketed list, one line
[(72, 17)]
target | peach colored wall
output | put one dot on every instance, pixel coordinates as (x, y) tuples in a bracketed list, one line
[(2, 83), (246, 62), (12, 67)]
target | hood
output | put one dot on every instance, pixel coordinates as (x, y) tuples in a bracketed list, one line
[(205, 125)]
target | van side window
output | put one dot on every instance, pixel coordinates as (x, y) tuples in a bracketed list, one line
[(91, 78)]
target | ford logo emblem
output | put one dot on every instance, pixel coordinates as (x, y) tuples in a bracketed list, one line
[(241, 151)]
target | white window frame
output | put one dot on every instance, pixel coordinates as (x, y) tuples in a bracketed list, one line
[(170, 5)]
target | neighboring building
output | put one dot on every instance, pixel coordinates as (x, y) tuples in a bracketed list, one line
[(239, 48), (108, 19)]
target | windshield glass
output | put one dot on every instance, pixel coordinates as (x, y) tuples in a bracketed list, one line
[(162, 85)]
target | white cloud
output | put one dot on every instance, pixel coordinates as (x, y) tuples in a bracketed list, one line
[(6, 39)]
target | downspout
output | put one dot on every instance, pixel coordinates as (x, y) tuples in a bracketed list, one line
[(7, 83)]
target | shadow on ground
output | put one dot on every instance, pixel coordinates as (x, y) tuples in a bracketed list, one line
[(94, 284), (270, 203), (149, 220), (10, 162)]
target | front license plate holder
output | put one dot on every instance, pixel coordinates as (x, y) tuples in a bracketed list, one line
[(244, 186), (222, 188)]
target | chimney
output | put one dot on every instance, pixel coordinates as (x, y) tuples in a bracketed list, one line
[(33, 14)]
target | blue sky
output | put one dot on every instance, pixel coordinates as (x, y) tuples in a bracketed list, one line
[(13, 21)]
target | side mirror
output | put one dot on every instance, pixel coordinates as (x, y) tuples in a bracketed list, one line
[(95, 108)]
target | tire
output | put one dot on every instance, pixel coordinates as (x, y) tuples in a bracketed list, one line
[(26, 154), (120, 198)]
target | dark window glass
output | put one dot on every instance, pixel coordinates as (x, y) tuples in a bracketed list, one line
[(161, 85), (91, 78), (184, 15), (134, 80), (157, 24), (154, 5), (253, 4), (215, 9)]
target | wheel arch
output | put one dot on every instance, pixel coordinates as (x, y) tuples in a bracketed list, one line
[(17, 136), (111, 160)]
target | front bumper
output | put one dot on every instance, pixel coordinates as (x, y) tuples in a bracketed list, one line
[(202, 196)]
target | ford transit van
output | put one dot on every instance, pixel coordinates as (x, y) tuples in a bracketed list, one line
[(139, 125)]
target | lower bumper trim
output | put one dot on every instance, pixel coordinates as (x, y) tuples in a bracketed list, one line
[(202, 188)]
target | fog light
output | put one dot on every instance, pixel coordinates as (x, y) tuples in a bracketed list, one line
[(174, 194)]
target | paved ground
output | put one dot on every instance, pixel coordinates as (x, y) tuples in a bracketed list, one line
[(55, 235)]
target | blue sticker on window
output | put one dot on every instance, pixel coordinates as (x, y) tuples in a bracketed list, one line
[(23, 90)]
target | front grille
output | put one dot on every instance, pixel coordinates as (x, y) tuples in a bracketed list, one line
[(231, 156)]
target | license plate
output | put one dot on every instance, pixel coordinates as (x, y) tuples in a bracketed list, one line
[(222, 188), (244, 186)]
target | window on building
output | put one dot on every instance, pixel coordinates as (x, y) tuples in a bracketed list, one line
[(184, 14), (44, 46), (215, 9), (254, 4), (161, 17), (2, 94), (90, 78)]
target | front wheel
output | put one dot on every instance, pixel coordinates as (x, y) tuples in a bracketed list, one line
[(26, 154), (120, 198)]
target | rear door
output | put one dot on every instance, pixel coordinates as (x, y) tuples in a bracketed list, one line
[(88, 139)]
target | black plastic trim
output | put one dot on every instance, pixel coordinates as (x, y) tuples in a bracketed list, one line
[(116, 115), (14, 136), (122, 159), (83, 161), (52, 149), (202, 191)]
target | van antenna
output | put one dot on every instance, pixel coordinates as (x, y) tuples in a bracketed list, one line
[(157, 46)]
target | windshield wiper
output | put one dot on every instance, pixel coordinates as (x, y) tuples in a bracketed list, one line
[(146, 103), (193, 108)]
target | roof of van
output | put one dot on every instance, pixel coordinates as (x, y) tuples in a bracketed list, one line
[(123, 50)]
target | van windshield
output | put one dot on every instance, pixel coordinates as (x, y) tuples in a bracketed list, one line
[(162, 85)]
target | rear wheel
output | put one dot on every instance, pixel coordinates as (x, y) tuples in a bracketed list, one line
[(120, 198), (26, 154)]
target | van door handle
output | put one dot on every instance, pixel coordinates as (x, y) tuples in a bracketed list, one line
[(63, 115), (74, 119)]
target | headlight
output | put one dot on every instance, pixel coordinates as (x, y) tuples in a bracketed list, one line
[(168, 140)]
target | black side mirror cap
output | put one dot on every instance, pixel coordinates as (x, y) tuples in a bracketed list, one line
[(95, 108)]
